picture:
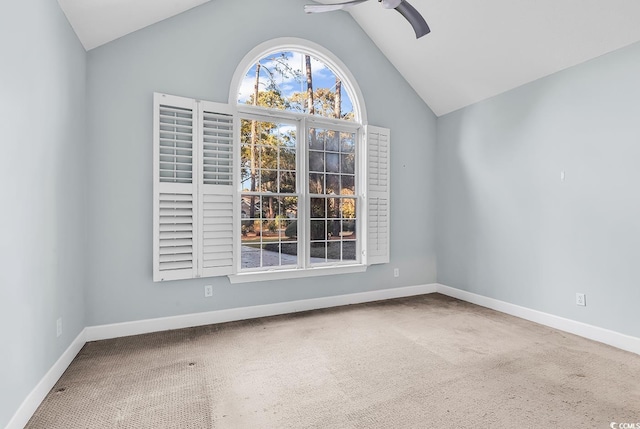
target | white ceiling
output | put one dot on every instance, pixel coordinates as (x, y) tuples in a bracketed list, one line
[(97, 22), (476, 49)]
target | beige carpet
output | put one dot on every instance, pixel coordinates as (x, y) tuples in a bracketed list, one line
[(422, 362)]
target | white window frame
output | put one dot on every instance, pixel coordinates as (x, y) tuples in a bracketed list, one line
[(360, 115), (304, 268)]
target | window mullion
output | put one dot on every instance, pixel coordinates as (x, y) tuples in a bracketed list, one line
[(303, 195), (361, 197)]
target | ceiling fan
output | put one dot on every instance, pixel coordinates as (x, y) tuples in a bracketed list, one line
[(409, 12)]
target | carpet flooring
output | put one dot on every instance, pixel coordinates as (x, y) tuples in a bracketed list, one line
[(428, 361)]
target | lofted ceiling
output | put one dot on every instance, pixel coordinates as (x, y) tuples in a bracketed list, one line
[(476, 49)]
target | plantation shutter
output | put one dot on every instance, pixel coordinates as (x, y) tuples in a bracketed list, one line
[(216, 189), (378, 209), (174, 188)]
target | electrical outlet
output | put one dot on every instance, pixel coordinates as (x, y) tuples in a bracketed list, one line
[(208, 291), (396, 272), (59, 327), (581, 299)]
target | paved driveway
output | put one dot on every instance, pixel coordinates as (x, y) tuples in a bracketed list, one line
[(251, 258)]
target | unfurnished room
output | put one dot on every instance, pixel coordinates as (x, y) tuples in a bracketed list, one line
[(297, 214)]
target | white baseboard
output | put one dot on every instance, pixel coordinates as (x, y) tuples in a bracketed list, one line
[(612, 338), (102, 332), (115, 330), (37, 395)]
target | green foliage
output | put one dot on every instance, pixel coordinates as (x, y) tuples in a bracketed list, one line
[(323, 103), (317, 231), (292, 230)]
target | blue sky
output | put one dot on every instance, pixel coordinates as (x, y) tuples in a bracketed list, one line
[(323, 77)]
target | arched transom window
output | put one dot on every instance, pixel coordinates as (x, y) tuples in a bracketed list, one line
[(297, 82)]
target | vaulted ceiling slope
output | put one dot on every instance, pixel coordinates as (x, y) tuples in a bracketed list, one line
[(476, 49)]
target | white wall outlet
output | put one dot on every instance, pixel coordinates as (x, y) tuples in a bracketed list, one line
[(396, 272), (581, 299), (59, 327), (208, 291)]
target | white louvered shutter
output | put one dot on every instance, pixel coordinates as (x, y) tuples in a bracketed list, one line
[(378, 209), (216, 188), (174, 188)]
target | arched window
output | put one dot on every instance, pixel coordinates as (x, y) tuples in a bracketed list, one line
[(286, 68), (284, 181), (299, 161), (297, 81)]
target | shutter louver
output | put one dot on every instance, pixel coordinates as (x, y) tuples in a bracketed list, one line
[(217, 155), (176, 144), (217, 232), (378, 209), (216, 190), (175, 228), (176, 231)]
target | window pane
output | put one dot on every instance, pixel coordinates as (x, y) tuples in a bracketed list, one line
[(251, 256), (268, 181), (348, 163), (287, 159), (318, 208), (271, 255), (333, 162), (269, 155), (348, 231), (332, 141), (319, 251), (287, 182), (316, 139), (333, 207), (348, 186), (334, 251), (333, 229), (333, 184), (290, 207), (348, 208), (316, 161), (316, 183), (349, 250), (289, 232), (318, 230), (347, 142)]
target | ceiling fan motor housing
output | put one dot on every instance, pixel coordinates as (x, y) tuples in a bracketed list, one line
[(390, 4)]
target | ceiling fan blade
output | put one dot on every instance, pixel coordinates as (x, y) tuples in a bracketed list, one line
[(317, 8), (415, 19)]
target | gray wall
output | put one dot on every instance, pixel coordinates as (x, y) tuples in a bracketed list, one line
[(195, 54), (42, 105), (510, 229)]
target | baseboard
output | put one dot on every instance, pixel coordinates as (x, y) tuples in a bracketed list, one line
[(102, 332), (37, 395), (612, 338)]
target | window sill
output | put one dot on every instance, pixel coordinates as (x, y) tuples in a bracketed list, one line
[(295, 273)]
